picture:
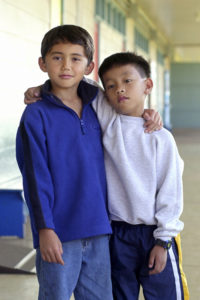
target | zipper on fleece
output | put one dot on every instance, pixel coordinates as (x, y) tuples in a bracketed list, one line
[(82, 126)]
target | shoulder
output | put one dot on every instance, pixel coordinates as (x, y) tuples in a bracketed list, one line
[(92, 82), (164, 135), (95, 84), (33, 110), (166, 143)]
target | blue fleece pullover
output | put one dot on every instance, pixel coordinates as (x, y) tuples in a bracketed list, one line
[(61, 160)]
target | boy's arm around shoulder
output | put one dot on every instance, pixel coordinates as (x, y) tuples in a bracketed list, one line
[(105, 113), (32, 159), (101, 106), (169, 196)]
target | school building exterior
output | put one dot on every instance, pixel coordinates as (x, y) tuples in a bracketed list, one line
[(115, 25)]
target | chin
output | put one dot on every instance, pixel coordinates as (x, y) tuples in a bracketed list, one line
[(122, 112)]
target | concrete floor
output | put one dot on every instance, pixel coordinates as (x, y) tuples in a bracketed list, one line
[(24, 287)]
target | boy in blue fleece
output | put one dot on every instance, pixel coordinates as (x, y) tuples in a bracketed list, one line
[(60, 155), (59, 152)]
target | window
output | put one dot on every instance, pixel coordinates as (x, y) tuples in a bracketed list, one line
[(141, 41), (111, 14), (160, 58)]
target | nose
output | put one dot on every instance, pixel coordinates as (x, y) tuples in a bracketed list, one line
[(120, 90), (66, 64)]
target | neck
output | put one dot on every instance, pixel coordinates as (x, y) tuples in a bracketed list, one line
[(67, 95), (137, 112)]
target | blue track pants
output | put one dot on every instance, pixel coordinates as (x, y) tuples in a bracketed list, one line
[(130, 246)]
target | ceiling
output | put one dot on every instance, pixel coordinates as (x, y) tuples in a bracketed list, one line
[(178, 20)]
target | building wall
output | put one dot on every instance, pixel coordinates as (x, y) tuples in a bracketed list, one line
[(185, 94), (80, 13), (22, 26), (23, 23), (110, 38), (111, 41)]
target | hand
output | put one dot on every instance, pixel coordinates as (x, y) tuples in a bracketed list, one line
[(153, 120), (50, 246), (32, 95), (157, 260)]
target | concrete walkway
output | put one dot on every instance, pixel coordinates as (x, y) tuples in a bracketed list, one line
[(24, 287), (189, 147)]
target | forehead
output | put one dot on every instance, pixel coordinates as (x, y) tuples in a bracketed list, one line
[(67, 47), (117, 72)]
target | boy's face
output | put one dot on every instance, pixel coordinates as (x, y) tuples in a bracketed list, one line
[(66, 64), (126, 90)]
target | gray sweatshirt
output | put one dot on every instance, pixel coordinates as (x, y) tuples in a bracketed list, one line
[(144, 172)]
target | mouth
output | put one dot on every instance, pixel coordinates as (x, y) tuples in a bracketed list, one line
[(122, 99), (65, 76)]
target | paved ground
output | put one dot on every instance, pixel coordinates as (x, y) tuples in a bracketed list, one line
[(189, 146), (24, 287)]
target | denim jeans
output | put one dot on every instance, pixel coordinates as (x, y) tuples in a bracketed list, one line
[(86, 272)]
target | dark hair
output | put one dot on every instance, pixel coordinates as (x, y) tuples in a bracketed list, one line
[(125, 58), (68, 33)]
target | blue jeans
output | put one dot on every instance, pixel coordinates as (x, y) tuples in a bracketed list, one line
[(86, 272)]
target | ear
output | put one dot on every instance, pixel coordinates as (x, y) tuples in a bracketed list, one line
[(89, 68), (42, 64), (149, 86)]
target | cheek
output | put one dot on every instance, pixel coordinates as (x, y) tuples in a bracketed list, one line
[(52, 68), (80, 68), (109, 97)]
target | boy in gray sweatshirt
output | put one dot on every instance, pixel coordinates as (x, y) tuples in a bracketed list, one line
[(145, 195)]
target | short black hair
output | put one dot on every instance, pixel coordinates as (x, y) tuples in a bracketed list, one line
[(125, 58), (68, 33)]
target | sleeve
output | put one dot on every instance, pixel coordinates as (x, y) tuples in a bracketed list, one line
[(169, 198), (103, 109), (32, 158)]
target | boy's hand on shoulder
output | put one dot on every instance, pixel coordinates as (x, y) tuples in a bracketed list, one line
[(50, 246), (157, 260), (32, 95), (153, 120)]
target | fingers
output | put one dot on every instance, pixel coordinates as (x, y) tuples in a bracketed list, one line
[(147, 116), (32, 95), (153, 121), (157, 118), (50, 246), (158, 268), (150, 127), (52, 256), (151, 260), (28, 98), (59, 258), (157, 260)]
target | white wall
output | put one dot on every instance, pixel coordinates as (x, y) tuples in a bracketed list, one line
[(22, 26)]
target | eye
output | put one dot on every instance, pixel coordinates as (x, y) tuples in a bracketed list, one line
[(110, 86), (75, 59), (57, 58), (128, 80)]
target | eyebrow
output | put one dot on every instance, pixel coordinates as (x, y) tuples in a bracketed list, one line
[(57, 52), (125, 73)]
